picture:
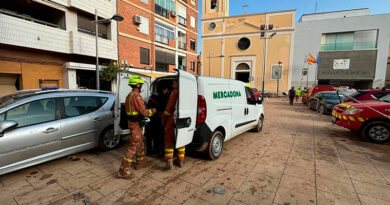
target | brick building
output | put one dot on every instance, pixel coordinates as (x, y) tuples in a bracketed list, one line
[(52, 43), (158, 36)]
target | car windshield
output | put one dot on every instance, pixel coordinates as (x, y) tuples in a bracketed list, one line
[(332, 96), (385, 98), (356, 94)]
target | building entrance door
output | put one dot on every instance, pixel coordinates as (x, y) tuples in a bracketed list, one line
[(243, 72)]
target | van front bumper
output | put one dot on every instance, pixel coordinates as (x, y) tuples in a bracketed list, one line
[(201, 138)]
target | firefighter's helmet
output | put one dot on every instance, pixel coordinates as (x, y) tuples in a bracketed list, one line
[(136, 79)]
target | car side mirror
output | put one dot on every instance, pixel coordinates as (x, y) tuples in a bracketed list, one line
[(7, 125)]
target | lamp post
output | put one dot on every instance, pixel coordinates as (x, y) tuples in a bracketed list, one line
[(209, 57), (116, 17), (278, 78), (263, 34)]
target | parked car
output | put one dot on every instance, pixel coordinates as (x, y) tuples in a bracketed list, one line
[(37, 126), (323, 102), (312, 91), (371, 94), (371, 118)]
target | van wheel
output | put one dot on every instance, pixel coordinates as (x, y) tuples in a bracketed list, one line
[(108, 140), (259, 125), (215, 147), (378, 132)]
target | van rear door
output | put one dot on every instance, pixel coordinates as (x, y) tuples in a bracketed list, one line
[(123, 89), (186, 108)]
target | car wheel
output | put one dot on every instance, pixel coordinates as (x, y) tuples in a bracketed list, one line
[(214, 150), (259, 125), (321, 110), (108, 140), (378, 132)]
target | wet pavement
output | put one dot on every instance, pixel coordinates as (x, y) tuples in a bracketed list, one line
[(299, 158)]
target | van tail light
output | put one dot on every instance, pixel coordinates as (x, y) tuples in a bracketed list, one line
[(202, 110)]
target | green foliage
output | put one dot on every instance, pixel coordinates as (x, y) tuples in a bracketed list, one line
[(109, 71)]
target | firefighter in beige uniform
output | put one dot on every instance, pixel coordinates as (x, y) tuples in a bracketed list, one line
[(135, 109)]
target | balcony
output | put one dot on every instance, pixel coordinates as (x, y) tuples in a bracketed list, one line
[(84, 44), (161, 10), (31, 33), (182, 21), (182, 45), (348, 46)]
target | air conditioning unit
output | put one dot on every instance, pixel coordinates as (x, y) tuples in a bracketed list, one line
[(137, 19), (173, 13)]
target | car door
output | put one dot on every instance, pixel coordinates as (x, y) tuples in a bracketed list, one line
[(239, 107), (81, 118), (252, 112), (36, 135), (314, 101), (186, 108), (123, 89)]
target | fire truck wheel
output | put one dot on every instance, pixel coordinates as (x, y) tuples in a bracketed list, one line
[(378, 132)]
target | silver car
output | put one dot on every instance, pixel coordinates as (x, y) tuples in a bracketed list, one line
[(37, 126)]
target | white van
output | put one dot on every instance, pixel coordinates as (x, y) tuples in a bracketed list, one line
[(209, 110)]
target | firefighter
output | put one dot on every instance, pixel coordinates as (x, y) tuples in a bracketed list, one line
[(168, 122), (135, 109)]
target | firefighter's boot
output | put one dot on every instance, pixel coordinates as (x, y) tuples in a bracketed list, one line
[(169, 164), (179, 163), (124, 171)]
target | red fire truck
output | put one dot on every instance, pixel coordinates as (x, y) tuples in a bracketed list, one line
[(371, 118)]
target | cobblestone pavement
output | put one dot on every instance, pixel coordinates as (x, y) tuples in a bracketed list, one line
[(299, 158)]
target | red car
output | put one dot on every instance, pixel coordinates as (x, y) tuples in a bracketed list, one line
[(256, 93), (371, 118), (367, 95), (312, 91)]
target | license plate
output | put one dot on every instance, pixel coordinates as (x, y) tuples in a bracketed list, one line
[(334, 119)]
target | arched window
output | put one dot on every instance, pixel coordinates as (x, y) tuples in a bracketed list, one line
[(243, 72)]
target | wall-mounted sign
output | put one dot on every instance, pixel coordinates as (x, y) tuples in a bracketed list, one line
[(341, 64)]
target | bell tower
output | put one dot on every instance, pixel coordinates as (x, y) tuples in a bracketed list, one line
[(215, 8)]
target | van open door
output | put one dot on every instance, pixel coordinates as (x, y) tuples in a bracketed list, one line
[(186, 108), (123, 89)]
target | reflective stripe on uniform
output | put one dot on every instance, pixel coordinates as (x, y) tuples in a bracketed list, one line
[(180, 155), (167, 113), (150, 113), (182, 149), (131, 112), (129, 160)]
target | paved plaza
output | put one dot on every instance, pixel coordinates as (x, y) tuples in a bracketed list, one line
[(298, 158)]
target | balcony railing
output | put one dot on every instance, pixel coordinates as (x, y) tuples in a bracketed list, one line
[(182, 21), (27, 18), (161, 10), (182, 45), (348, 46)]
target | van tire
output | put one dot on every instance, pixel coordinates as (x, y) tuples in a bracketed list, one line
[(259, 125), (215, 147), (107, 140), (381, 126)]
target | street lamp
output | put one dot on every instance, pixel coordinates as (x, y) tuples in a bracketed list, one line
[(263, 34), (116, 17), (221, 56), (278, 78)]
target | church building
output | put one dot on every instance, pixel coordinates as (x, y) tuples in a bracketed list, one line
[(233, 46)]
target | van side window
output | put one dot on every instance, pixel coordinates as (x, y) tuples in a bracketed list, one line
[(249, 96)]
